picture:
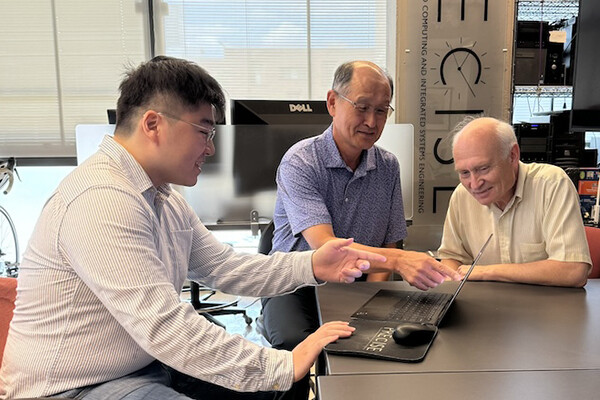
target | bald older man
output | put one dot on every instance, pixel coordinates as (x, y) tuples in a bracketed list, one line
[(532, 210)]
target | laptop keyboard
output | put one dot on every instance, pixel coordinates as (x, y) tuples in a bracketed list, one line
[(422, 307)]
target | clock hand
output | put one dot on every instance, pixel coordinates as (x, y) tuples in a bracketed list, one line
[(466, 56), (467, 82)]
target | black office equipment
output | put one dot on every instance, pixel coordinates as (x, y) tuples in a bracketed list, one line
[(534, 141), (585, 115), (112, 116), (279, 112), (538, 60), (411, 334), (258, 150), (377, 320)]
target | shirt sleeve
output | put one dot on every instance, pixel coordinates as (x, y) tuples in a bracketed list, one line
[(298, 190), (563, 228), (120, 264)]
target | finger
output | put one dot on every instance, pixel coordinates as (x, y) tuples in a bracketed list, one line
[(363, 265), (339, 244), (326, 340), (349, 275), (344, 325), (362, 254), (446, 271), (336, 327)]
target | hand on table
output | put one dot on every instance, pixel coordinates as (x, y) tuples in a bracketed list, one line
[(309, 349)]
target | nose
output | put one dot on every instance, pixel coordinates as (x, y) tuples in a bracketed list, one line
[(475, 180), (210, 148), (370, 118)]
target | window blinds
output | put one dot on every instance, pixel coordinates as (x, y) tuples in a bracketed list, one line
[(61, 64)]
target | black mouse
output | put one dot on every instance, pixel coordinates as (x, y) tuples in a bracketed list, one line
[(413, 334)]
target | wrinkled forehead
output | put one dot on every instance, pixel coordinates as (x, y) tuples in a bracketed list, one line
[(369, 82), (476, 150)]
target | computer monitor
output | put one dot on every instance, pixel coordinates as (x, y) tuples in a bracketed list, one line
[(258, 151), (585, 115), (279, 112)]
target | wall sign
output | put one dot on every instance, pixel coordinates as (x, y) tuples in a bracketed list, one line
[(454, 60)]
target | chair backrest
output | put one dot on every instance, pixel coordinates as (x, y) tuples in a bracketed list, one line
[(593, 238), (8, 294), (265, 243)]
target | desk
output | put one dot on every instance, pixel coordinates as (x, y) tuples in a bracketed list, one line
[(522, 385), (497, 328)]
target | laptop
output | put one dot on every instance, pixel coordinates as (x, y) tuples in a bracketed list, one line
[(427, 308)]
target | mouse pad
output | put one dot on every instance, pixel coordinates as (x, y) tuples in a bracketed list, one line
[(374, 339)]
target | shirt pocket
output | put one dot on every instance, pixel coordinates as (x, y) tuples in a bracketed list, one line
[(533, 252), (181, 247)]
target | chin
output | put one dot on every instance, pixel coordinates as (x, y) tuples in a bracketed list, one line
[(484, 201)]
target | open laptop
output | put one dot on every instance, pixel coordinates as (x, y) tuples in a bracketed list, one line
[(416, 306)]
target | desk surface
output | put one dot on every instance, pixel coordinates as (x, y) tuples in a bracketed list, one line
[(530, 385), (491, 327)]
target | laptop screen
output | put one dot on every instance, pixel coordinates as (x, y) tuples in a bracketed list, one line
[(464, 279)]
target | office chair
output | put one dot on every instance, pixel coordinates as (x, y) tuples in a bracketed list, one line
[(265, 244), (266, 237), (8, 294), (210, 309), (593, 238)]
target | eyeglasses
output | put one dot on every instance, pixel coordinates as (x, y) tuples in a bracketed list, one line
[(209, 132), (381, 112)]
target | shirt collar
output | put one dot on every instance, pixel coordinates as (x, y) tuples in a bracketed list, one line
[(521, 176), (138, 177), (333, 158), (520, 184)]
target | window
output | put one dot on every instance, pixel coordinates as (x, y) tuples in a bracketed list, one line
[(62, 60), (274, 49), (61, 64)]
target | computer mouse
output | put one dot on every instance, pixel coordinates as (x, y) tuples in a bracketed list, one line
[(413, 334)]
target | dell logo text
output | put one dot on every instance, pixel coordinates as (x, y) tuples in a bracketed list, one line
[(300, 108)]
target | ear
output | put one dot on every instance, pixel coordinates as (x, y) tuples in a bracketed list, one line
[(515, 154), (331, 98), (150, 125)]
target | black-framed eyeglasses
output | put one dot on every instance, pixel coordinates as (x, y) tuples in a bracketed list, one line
[(209, 132), (381, 111)]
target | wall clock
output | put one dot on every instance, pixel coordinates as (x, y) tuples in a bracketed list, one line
[(461, 71)]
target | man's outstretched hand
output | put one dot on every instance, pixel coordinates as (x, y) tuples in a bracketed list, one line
[(336, 262)]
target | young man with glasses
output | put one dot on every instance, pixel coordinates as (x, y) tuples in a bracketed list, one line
[(338, 184), (532, 210), (98, 313)]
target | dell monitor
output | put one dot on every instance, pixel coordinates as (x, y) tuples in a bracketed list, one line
[(279, 112)]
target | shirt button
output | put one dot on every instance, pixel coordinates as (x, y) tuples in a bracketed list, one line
[(276, 386), (346, 199)]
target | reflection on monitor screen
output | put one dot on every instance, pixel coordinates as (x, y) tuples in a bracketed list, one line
[(244, 179), (258, 151)]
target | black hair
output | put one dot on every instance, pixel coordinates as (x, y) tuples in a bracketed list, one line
[(167, 82)]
